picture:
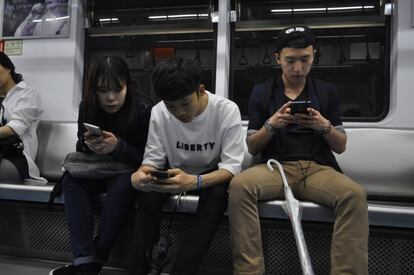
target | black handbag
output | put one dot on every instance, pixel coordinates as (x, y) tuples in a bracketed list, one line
[(12, 149), (89, 166), (94, 166)]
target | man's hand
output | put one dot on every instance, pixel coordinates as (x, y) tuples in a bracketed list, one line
[(282, 117), (313, 120), (142, 178), (104, 144), (178, 182)]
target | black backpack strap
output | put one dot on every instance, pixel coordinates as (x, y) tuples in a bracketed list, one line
[(12, 150), (56, 192), (322, 91), (2, 119), (20, 162), (268, 86)]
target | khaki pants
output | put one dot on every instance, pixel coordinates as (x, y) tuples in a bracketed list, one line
[(324, 185)]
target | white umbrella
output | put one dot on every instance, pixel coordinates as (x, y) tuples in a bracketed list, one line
[(292, 209)]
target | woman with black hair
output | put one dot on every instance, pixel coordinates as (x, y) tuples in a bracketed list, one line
[(111, 103), (20, 110)]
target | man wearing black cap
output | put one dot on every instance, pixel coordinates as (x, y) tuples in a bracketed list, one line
[(303, 141)]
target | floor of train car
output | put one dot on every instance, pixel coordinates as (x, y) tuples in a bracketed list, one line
[(22, 266)]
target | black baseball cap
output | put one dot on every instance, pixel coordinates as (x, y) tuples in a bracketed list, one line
[(295, 37)]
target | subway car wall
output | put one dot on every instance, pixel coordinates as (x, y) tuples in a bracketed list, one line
[(374, 90), (145, 32), (353, 50), (359, 74), (354, 58), (142, 52)]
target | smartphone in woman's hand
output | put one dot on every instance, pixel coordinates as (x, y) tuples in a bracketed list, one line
[(93, 129)]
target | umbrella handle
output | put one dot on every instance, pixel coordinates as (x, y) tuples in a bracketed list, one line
[(270, 164)]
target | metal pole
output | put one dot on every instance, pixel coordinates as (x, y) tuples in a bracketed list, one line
[(223, 49)]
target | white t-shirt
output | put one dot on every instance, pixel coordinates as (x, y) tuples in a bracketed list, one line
[(22, 110), (211, 140)]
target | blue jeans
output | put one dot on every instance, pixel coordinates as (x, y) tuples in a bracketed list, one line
[(210, 209), (116, 210)]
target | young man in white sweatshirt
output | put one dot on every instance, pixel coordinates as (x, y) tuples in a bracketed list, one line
[(196, 137)]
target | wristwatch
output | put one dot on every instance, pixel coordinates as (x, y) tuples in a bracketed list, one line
[(269, 127)]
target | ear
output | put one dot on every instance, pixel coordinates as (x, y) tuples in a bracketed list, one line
[(201, 89), (277, 56)]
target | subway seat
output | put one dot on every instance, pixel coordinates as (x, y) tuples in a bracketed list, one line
[(381, 160)]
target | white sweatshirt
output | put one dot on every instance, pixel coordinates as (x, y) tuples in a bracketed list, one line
[(211, 140)]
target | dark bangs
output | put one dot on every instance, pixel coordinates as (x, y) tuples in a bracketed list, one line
[(110, 73), (108, 80)]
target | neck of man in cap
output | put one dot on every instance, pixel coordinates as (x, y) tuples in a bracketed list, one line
[(293, 89)]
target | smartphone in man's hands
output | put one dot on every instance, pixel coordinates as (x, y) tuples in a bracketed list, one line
[(299, 106), (160, 174), (93, 129)]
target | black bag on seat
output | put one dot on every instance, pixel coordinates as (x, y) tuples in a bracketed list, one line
[(94, 166), (12, 149), (89, 166)]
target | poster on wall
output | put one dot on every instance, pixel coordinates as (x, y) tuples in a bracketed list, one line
[(36, 18), (13, 47)]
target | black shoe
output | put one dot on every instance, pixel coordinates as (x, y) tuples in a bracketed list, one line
[(84, 269), (64, 270)]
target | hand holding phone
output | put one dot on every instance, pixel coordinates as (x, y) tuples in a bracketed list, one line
[(299, 107), (160, 174), (93, 129)]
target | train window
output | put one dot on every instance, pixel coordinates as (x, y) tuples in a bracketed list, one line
[(144, 32), (353, 52)]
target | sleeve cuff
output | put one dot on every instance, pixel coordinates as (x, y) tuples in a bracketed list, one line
[(230, 168), (340, 128), (17, 127), (251, 132), (120, 149), (152, 163)]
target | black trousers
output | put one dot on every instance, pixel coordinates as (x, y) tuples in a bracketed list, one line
[(210, 209)]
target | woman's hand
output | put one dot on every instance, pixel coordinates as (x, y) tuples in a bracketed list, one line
[(104, 144)]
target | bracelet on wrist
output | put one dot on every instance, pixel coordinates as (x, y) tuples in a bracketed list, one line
[(325, 130), (269, 127), (199, 181)]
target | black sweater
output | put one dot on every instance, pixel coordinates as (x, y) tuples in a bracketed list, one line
[(131, 145)]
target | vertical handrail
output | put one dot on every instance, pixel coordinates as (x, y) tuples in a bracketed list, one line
[(223, 49)]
